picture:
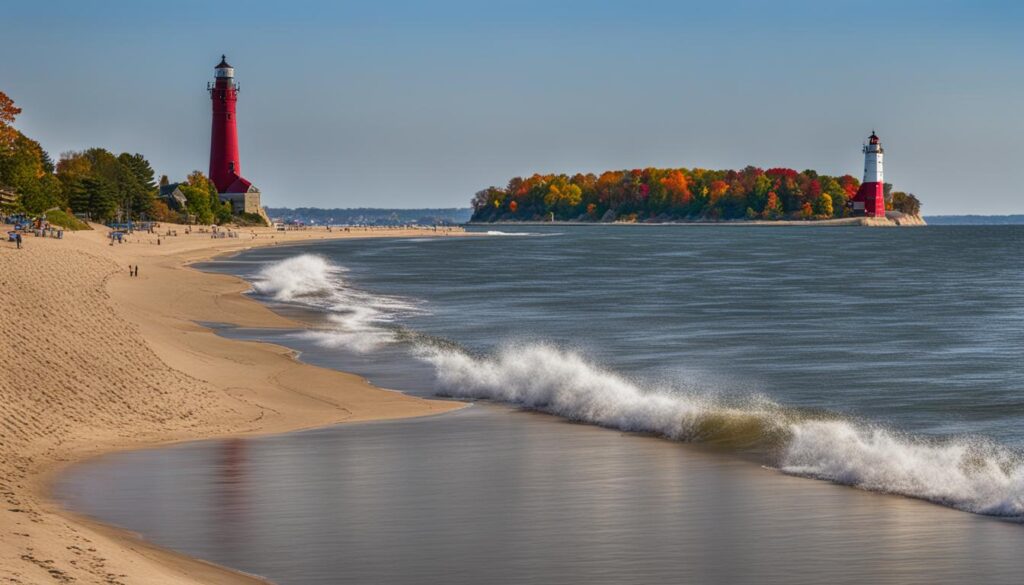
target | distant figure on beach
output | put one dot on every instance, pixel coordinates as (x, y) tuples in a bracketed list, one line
[(17, 240)]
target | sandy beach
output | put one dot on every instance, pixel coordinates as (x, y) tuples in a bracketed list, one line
[(94, 361)]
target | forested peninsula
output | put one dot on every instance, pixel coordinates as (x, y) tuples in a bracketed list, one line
[(678, 194)]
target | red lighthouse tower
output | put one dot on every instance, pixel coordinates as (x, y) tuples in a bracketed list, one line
[(870, 198), (225, 167)]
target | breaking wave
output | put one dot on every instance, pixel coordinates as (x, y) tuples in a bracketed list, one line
[(969, 474), (359, 321), (518, 234)]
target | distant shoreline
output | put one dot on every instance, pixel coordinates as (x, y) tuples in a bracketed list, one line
[(951, 219), (905, 221)]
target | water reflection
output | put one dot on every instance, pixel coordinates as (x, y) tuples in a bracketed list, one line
[(230, 488), (493, 495)]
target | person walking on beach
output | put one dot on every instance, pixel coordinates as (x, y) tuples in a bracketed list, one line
[(17, 240)]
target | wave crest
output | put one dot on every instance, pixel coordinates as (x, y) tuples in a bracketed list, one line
[(543, 377), (307, 275), (359, 321), (968, 474)]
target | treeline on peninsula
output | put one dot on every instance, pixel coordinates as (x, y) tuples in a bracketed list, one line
[(678, 194), (93, 183)]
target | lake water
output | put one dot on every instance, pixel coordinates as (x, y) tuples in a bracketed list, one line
[(726, 381)]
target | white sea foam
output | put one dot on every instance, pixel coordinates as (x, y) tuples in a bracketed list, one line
[(517, 234), (970, 475), (358, 319), (300, 276)]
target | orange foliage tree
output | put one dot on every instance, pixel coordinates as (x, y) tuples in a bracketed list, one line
[(678, 188), (8, 112)]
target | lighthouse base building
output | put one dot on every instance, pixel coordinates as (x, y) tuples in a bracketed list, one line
[(243, 196)]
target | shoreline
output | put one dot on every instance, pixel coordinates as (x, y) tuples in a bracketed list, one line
[(903, 221), (136, 370)]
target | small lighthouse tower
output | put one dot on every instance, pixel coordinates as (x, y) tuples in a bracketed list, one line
[(225, 166), (870, 199)]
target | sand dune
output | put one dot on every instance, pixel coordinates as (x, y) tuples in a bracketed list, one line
[(92, 360)]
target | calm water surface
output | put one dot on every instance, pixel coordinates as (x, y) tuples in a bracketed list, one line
[(885, 359)]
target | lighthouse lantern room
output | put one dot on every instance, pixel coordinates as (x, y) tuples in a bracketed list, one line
[(870, 198)]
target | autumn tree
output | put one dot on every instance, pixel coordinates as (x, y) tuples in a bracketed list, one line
[(772, 207), (198, 179), (161, 212), (8, 112), (488, 200), (678, 189), (759, 191), (23, 168), (208, 209), (823, 205), (715, 193), (850, 185), (562, 196), (832, 187), (197, 201), (609, 188), (906, 203)]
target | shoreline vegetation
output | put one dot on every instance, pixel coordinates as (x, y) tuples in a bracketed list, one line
[(98, 185), (680, 195), (97, 361), (892, 219)]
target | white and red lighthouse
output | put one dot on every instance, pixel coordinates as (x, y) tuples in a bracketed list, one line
[(870, 198)]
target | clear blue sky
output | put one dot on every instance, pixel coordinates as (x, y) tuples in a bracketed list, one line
[(404, 104)]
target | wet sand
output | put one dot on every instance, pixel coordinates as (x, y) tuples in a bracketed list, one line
[(95, 361)]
